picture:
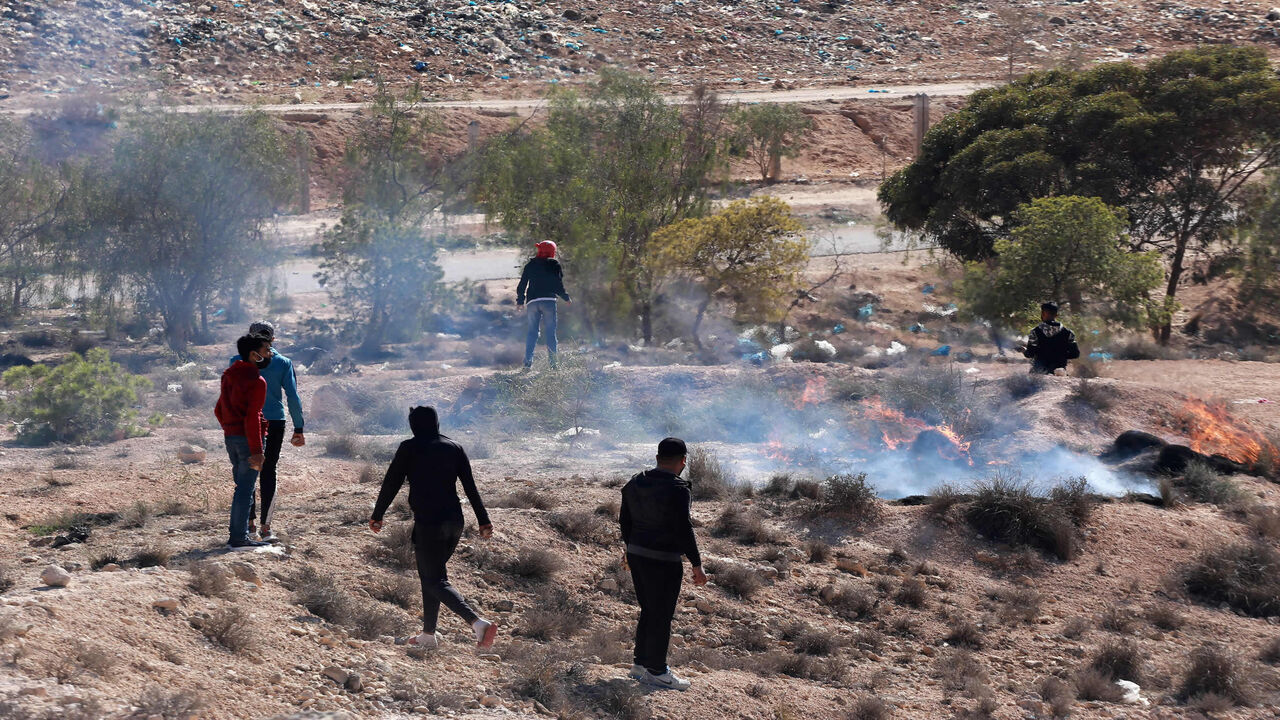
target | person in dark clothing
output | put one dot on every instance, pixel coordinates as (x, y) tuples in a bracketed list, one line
[(433, 464), (239, 411), (278, 371), (658, 534), (541, 282), (1050, 345)]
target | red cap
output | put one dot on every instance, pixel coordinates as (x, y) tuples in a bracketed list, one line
[(546, 249)]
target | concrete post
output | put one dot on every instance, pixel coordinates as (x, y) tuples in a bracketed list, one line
[(921, 120)]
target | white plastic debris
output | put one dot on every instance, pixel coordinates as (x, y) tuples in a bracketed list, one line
[(971, 371), (174, 387), (939, 310), (1132, 693), (576, 433), (826, 348), (780, 351), (895, 348), (612, 365)]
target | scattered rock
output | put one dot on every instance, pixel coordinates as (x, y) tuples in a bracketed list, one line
[(109, 567), (54, 576), (167, 604), (490, 701), (504, 606), (246, 572), (354, 683), (608, 585), (191, 454), (336, 674)]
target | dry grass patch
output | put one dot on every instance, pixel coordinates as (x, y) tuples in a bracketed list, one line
[(818, 551), (709, 479), (582, 526), (170, 705), (913, 593), (1119, 660), (524, 499), (1214, 674), (536, 564), (745, 526), (554, 614), (1058, 694), (1006, 510), (210, 580), (963, 632), (1166, 616), (152, 556), (400, 590), (231, 628), (1244, 576), (394, 548), (735, 578)]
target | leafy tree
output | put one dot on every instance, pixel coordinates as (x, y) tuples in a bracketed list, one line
[(751, 250), (177, 212), (1174, 142), (85, 399), (769, 132), (32, 198), (1065, 248), (1261, 243), (379, 261), (612, 165)]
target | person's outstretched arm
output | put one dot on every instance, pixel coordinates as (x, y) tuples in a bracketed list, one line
[(684, 509), (560, 285), (391, 483), (1073, 348), (1033, 344), (524, 284), (289, 382), (469, 487), (624, 520)]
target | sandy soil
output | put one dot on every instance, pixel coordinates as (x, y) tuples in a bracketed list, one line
[(1132, 553)]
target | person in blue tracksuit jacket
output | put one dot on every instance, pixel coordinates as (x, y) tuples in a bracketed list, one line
[(281, 381)]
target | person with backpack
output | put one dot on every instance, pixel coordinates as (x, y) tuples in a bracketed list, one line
[(657, 532), (541, 282), (281, 379), (433, 464), (1050, 345)]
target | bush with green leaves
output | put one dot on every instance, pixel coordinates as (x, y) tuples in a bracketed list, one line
[(85, 399)]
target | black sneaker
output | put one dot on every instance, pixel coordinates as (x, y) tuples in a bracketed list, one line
[(246, 543)]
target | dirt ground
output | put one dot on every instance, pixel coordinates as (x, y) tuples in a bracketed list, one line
[(101, 639)]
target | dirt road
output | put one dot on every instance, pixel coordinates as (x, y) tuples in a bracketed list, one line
[(17, 106)]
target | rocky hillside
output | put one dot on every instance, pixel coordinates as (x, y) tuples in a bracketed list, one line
[(277, 48)]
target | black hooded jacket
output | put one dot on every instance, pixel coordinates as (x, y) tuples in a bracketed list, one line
[(541, 278), (1050, 346), (432, 463), (655, 517)]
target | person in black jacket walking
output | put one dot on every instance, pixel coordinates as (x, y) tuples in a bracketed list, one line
[(1050, 345), (432, 463), (658, 533), (541, 281)]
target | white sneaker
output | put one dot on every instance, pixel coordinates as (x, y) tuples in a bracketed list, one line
[(485, 633), (426, 641), (667, 680), (637, 672)]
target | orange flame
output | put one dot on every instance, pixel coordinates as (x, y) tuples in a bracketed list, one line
[(1212, 431), (897, 429), (815, 391)]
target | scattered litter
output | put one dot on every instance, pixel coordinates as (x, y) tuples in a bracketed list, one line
[(866, 311), (1252, 401), (896, 348), (971, 371), (576, 433), (942, 351), (826, 348), (1103, 356), (837, 329), (759, 358), (612, 365), (927, 290), (780, 351), (185, 367), (1132, 694), (174, 387), (446, 366), (917, 328), (941, 310)]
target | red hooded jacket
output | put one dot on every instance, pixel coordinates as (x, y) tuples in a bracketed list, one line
[(239, 407)]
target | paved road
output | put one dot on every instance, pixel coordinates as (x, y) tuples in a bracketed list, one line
[(801, 95)]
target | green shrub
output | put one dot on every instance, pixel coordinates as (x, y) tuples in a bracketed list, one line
[(1006, 510), (85, 399), (850, 497)]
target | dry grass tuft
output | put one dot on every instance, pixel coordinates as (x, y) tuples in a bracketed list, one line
[(210, 580), (1058, 695), (554, 614), (963, 632), (230, 627), (818, 551), (524, 499), (582, 526), (735, 578), (1244, 576), (1166, 616), (913, 593), (152, 556), (1214, 672), (709, 479), (170, 705), (1119, 660), (536, 564), (745, 526)]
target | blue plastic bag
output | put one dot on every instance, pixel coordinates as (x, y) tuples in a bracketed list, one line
[(943, 351)]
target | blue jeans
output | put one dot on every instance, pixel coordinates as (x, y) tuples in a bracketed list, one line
[(245, 478), (536, 311)]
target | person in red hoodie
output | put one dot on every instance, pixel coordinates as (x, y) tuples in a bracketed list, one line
[(239, 410)]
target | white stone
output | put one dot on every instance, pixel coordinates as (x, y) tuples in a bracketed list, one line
[(54, 576)]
